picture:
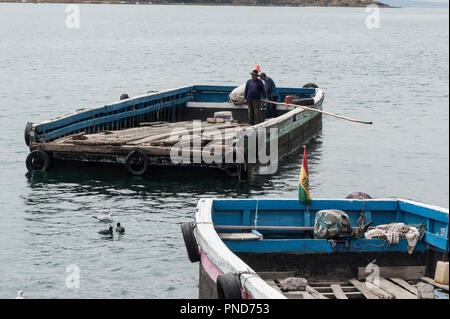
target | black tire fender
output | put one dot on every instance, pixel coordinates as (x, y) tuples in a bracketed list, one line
[(232, 170), (27, 133), (311, 85), (358, 195), (142, 157), (235, 170), (187, 229), (228, 286), (38, 160)]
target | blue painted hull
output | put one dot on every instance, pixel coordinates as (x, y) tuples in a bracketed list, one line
[(269, 239)]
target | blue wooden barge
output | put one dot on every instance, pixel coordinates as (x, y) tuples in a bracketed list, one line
[(251, 245), (138, 129)]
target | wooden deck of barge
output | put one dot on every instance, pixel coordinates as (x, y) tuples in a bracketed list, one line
[(154, 138)]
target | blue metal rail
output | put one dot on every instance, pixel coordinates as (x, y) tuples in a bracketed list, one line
[(287, 213)]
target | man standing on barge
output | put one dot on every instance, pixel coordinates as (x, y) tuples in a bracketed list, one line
[(254, 90), (272, 95)]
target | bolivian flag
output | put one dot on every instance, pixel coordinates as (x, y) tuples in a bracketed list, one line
[(303, 187)]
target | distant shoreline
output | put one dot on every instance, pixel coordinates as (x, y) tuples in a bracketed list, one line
[(236, 3)]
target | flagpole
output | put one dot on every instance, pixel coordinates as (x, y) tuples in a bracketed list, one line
[(307, 205)]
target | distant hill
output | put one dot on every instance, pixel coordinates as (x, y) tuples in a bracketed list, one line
[(306, 3), (293, 3)]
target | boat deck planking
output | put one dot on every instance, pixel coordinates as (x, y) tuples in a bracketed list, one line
[(390, 288), (155, 139)]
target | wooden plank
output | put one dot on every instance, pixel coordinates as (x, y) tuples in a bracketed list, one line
[(338, 292), (397, 291), (431, 281), (346, 288), (267, 275), (405, 285), (238, 236), (315, 293), (404, 272), (369, 293), (298, 295), (347, 294)]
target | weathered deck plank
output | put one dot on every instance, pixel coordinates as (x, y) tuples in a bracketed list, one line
[(404, 272), (370, 293), (397, 291), (154, 140), (338, 292), (313, 292), (405, 285)]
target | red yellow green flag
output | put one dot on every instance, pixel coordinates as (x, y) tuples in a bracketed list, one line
[(303, 187)]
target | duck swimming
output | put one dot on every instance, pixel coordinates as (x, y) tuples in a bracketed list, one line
[(119, 228), (108, 231)]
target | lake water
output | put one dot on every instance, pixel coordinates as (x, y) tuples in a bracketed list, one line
[(396, 76)]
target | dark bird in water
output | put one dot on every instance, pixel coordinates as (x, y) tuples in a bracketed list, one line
[(108, 231), (119, 228)]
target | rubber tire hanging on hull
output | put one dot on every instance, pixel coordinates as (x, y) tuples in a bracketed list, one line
[(38, 161), (142, 158), (27, 133), (228, 286), (236, 170), (358, 195), (311, 85), (187, 229)]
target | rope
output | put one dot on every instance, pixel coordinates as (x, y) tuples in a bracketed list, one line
[(362, 217), (240, 273), (256, 214)]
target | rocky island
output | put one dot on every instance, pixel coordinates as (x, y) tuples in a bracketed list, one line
[(290, 3)]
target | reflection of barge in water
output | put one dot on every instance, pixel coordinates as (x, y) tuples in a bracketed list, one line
[(246, 247), (136, 132)]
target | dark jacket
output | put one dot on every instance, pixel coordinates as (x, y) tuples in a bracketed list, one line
[(254, 89), (271, 89)]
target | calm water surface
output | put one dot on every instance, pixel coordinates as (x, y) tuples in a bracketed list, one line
[(396, 76)]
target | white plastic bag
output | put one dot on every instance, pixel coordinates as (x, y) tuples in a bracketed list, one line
[(237, 95)]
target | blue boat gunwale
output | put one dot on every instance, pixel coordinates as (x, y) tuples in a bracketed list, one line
[(136, 106)]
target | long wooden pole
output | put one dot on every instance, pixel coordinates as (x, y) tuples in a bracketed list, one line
[(316, 110), (319, 111)]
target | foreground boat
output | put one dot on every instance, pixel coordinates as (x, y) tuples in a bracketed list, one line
[(140, 133), (246, 248)]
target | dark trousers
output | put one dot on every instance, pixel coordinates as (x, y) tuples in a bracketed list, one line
[(271, 109), (254, 111)]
